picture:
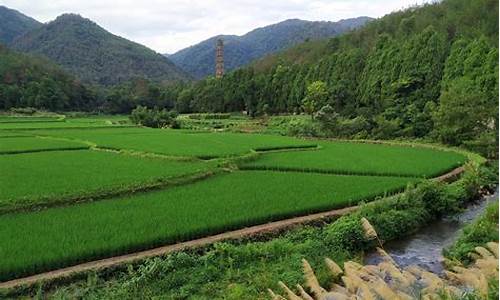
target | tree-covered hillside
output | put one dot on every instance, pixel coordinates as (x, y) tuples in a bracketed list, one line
[(199, 60), (94, 55), (14, 24), (429, 71), (27, 81)]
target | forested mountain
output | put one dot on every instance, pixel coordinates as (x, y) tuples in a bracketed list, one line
[(13, 24), (429, 71), (93, 54), (27, 81), (198, 60)]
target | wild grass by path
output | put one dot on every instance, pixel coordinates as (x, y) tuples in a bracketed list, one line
[(22, 144), (178, 142), (57, 237), (362, 158), (46, 178)]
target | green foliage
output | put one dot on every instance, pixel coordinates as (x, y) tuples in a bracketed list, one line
[(94, 55), (416, 73), (301, 128), (316, 97), (35, 83), (154, 118), (437, 200), (482, 231), (198, 60), (14, 24), (469, 99), (328, 118)]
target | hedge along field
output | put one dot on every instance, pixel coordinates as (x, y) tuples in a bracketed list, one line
[(179, 142), (32, 179), (62, 236), (362, 158), (21, 144)]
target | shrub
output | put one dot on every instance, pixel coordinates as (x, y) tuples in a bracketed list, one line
[(357, 127), (23, 110), (327, 118), (300, 127), (435, 199), (347, 233), (154, 118)]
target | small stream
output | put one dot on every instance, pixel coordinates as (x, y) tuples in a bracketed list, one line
[(424, 248)]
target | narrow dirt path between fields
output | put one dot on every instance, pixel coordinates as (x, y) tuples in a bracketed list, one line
[(160, 251)]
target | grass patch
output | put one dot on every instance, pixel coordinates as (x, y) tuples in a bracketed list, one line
[(362, 158), (19, 144), (178, 142), (46, 178), (58, 237)]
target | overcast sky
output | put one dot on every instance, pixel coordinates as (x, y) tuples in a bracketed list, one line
[(170, 25)]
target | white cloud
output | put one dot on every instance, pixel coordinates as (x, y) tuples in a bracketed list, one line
[(170, 25)]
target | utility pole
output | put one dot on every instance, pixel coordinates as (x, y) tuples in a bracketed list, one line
[(219, 58)]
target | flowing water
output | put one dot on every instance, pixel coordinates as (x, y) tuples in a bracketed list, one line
[(425, 247)]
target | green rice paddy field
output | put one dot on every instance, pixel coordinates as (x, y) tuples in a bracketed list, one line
[(61, 236), (45, 177), (60, 206), (178, 142), (30, 123), (363, 158), (21, 144)]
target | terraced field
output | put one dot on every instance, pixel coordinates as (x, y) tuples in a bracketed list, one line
[(30, 123), (61, 236), (50, 177), (362, 158), (60, 205), (179, 143), (23, 144)]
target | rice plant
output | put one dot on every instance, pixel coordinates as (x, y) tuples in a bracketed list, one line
[(46, 178), (178, 142), (351, 158), (25, 144), (57, 237)]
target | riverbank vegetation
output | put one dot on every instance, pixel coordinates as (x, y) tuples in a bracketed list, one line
[(482, 231), (387, 280)]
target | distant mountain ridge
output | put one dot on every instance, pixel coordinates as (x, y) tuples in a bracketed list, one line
[(14, 24), (95, 55), (198, 60)]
